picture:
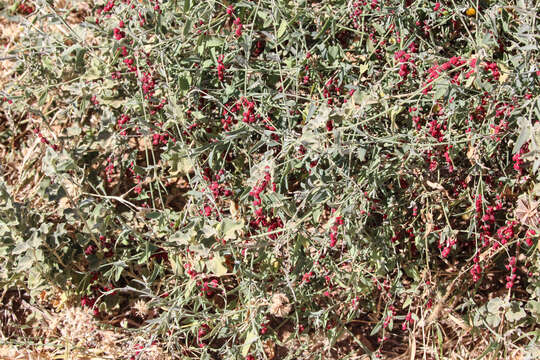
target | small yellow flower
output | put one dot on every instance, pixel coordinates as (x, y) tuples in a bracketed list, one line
[(470, 12)]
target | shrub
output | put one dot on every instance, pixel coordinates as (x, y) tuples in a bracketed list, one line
[(255, 171)]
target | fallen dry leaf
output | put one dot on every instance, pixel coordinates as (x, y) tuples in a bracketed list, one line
[(527, 212)]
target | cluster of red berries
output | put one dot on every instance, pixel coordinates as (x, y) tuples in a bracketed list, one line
[(122, 120), (391, 313), (237, 22), (44, 140), (435, 71), (307, 277), (107, 245), (220, 68), (476, 269), (406, 63), (305, 79), (160, 138), (203, 330), (229, 115), (119, 34), (333, 233), (505, 233), (239, 26), (447, 246), (528, 238), (25, 8), (271, 223), (331, 91), (518, 161), (138, 349), (494, 69), (260, 44), (189, 270), (90, 302), (217, 189), (109, 169), (408, 320), (90, 250), (249, 116), (259, 188), (511, 266), (208, 287), (264, 327), (487, 217), (137, 178)]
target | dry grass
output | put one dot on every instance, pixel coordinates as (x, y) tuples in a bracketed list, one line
[(71, 333), (61, 329)]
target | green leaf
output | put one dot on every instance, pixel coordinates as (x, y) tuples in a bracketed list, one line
[(376, 329), (363, 68), (493, 320), (394, 111), (184, 82), (35, 278), (250, 339), (228, 228), (439, 92), (407, 302), (282, 28), (188, 26), (439, 336), (534, 306), (25, 262), (119, 267), (179, 163), (20, 248), (378, 27), (470, 81), (412, 272), (214, 42), (311, 111), (183, 238), (153, 215), (361, 152), (515, 312), (317, 214), (115, 103), (216, 267), (495, 304), (333, 52), (209, 231), (524, 136)]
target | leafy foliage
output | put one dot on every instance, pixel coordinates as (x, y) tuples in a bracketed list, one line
[(375, 162)]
